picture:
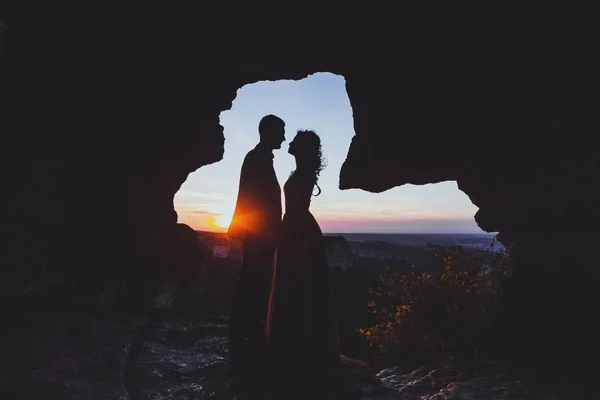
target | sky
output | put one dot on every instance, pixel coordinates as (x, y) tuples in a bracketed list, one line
[(319, 102)]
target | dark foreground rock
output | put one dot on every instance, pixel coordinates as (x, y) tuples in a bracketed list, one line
[(88, 356)]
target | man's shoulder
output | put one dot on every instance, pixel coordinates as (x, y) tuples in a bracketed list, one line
[(252, 153), (250, 157), (257, 156)]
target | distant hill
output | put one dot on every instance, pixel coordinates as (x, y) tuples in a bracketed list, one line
[(370, 250), (220, 245), (470, 240)]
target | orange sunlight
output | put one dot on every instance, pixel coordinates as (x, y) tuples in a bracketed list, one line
[(223, 220)]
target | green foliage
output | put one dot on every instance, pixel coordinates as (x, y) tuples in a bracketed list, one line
[(450, 309)]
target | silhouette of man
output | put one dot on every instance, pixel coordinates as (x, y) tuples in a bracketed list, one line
[(256, 223)]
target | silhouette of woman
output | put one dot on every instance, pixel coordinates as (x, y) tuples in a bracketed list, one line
[(301, 325)]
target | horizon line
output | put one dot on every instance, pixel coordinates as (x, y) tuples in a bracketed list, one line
[(385, 233)]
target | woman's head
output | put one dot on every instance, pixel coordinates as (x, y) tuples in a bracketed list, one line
[(306, 147)]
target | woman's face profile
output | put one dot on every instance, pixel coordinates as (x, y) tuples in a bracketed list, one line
[(301, 146), (292, 147)]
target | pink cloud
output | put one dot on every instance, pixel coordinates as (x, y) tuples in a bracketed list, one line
[(201, 212)]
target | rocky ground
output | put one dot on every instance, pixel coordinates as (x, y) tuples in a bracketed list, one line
[(86, 356), (80, 355)]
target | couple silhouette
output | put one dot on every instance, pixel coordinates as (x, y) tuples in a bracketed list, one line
[(283, 302)]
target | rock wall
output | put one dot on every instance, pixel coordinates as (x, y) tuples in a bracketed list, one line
[(105, 111)]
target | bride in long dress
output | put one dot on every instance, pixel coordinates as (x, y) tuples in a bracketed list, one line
[(301, 325)]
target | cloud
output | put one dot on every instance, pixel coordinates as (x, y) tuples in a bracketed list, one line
[(379, 212), (192, 198), (198, 219), (201, 212), (204, 195)]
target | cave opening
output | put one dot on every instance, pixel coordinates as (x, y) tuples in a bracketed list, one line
[(365, 232), (320, 102)]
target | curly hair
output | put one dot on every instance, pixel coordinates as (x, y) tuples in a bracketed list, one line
[(311, 145)]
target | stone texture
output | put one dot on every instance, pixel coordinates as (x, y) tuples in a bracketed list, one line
[(72, 355), (62, 356)]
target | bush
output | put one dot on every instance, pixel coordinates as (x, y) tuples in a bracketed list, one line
[(452, 309)]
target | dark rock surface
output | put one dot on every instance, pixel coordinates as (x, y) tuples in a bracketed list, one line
[(65, 357), (90, 356)]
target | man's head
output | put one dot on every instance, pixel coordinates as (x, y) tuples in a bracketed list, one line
[(272, 131)]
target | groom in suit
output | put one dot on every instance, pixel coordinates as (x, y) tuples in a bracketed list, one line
[(256, 223)]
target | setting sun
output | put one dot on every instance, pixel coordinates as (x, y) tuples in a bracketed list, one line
[(223, 220)]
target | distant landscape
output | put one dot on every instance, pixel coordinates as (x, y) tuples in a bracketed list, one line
[(369, 250), (480, 240), (357, 262), (467, 240)]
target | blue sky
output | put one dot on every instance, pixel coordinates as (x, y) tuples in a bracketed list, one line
[(320, 102)]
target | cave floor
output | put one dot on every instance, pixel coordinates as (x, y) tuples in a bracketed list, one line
[(88, 356), (82, 355)]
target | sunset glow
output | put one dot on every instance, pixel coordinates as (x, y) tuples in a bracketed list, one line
[(223, 220)]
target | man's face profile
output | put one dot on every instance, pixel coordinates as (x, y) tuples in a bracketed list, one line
[(276, 136)]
